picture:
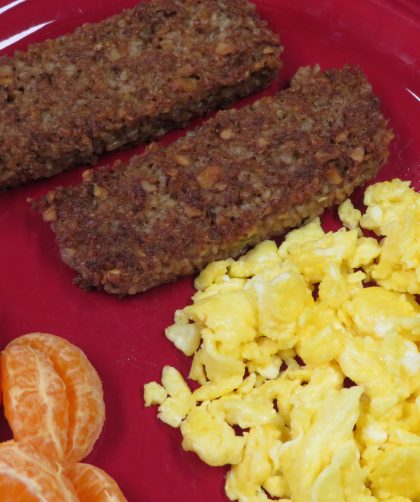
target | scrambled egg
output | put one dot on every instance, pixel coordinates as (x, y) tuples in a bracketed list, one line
[(308, 361)]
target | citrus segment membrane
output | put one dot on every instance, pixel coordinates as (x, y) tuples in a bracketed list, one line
[(83, 388), (35, 401), (26, 476), (93, 484)]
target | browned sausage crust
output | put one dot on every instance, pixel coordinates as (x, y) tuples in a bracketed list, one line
[(245, 175), (126, 80)]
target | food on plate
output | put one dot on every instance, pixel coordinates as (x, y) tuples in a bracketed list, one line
[(35, 400), (93, 484), (307, 357), (86, 408), (53, 396), (127, 79), (53, 401), (245, 175), (394, 211), (26, 476)]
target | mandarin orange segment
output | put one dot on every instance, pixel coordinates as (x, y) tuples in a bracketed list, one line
[(84, 390), (26, 476), (93, 484), (35, 401)]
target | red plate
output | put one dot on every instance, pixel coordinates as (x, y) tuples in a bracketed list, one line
[(124, 338)]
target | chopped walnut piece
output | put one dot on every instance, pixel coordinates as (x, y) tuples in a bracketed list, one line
[(68, 253), (185, 84), (87, 175), (333, 176), (223, 49), (262, 141), (148, 187), (209, 176), (112, 276), (6, 75), (49, 214), (100, 192), (358, 154), (50, 197), (227, 134), (342, 136), (182, 160), (268, 50), (192, 211), (220, 187)]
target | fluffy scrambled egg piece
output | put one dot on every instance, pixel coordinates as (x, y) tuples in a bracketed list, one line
[(307, 359)]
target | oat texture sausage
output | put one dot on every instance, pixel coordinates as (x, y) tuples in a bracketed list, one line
[(127, 79), (244, 176)]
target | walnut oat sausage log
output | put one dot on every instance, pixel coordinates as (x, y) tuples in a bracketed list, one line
[(127, 79), (244, 176)]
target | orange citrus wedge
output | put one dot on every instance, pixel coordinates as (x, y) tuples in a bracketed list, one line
[(86, 412), (26, 476), (35, 401), (93, 484)]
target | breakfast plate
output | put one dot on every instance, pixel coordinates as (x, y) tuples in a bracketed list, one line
[(124, 338)]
